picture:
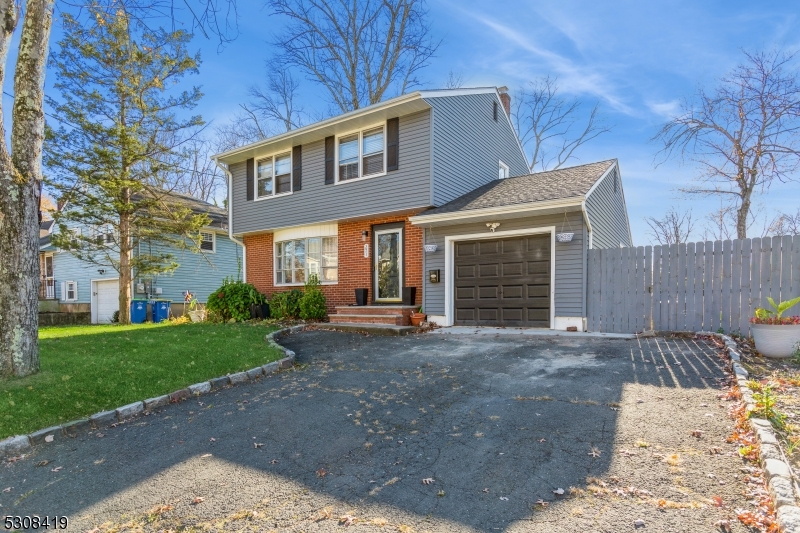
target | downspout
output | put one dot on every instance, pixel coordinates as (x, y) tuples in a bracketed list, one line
[(585, 280), (229, 179)]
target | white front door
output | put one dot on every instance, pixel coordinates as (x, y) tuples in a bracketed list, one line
[(389, 265), (105, 299)]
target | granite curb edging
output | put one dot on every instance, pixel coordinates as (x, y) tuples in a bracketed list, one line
[(19, 444), (777, 471)]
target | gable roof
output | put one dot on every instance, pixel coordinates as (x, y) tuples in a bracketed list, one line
[(352, 120), (570, 182), (218, 215)]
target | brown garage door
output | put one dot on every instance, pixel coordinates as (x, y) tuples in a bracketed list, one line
[(503, 282)]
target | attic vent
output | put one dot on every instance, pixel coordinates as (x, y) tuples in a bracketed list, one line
[(494, 111), (615, 182)]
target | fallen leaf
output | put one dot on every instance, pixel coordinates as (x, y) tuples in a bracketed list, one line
[(717, 501), (559, 491), (7, 489), (212, 439), (504, 498), (258, 444), (542, 502), (724, 525), (595, 452), (541, 440), (321, 472), (43, 463), (205, 455), (56, 469), (273, 462), (485, 490), (697, 433), (100, 461), (100, 435), (48, 438), (347, 520), (428, 481), (198, 500)]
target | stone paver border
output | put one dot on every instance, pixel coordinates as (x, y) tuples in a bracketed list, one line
[(777, 472), (19, 444)]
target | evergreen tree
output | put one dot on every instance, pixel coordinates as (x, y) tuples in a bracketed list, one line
[(121, 127)]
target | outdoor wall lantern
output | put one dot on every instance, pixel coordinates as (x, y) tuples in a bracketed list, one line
[(492, 226), (433, 275), (101, 271), (364, 235)]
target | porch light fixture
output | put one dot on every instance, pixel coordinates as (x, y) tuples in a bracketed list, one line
[(101, 271), (492, 226), (364, 235)]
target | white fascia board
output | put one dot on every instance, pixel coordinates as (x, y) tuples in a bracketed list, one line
[(520, 209), (437, 93), (319, 125)]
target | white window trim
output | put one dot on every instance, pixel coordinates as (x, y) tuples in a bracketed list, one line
[(275, 261), (256, 160), (449, 256), (504, 166), (360, 133), (213, 249), (66, 297)]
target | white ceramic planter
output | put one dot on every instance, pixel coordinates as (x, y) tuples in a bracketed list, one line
[(776, 341)]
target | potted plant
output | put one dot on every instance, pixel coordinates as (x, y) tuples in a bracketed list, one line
[(259, 308), (776, 335), (197, 311), (418, 317)]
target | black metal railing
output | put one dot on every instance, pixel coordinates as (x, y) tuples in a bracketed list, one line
[(47, 289)]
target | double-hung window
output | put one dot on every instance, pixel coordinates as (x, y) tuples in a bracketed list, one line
[(274, 175), (503, 170), (298, 259), (207, 241), (362, 154), (70, 291)]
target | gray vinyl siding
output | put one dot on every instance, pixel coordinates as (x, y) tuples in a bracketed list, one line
[(402, 189), (569, 268), (200, 273), (67, 267), (608, 213), (468, 145)]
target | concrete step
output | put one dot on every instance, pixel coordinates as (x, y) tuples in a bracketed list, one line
[(397, 320), (373, 329)]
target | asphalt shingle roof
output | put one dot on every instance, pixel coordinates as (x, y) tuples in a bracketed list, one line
[(538, 187)]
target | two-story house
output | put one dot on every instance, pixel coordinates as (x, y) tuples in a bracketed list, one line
[(90, 292), (355, 198)]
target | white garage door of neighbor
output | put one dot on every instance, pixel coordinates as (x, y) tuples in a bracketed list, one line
[(106, 300)]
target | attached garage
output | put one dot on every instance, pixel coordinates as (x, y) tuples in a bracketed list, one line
[(513, 253), (502, 282), (105, 300)]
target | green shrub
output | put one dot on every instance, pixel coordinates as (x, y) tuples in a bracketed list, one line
[(312, 304), (285, 304), (233, 300)]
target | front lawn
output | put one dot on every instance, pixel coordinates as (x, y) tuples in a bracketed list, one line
[(86, 369)]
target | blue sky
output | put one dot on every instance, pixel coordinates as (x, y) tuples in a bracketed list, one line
[(638, 60)]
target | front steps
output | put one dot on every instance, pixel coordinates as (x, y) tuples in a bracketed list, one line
[(393, 315)]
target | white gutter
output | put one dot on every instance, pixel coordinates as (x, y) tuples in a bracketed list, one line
[(230, 217), (575, 201), (587, 220)]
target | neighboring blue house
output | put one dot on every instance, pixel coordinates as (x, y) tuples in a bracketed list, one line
[(69, 285)]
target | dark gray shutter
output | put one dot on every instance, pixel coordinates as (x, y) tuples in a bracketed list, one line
[(392, 144), (297, 168), (251, 174), (329, 160)]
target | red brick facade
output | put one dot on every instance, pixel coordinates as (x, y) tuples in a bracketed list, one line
[(355, 270)]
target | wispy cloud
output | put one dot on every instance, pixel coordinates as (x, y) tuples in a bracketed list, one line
[(665, 110), (572, 77)]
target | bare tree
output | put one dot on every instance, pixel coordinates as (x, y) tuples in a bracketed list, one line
[(196, 174), (744, 135), (674, 228), (360, 51), (547, 124), (785, 224), (455, 80)]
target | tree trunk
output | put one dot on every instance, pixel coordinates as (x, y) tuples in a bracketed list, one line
[(741, 218), (20, 178), (125, 251)]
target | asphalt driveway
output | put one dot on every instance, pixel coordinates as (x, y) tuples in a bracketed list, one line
[(426, 432)]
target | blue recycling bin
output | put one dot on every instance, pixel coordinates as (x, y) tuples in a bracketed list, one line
[(138, 311), (160, 310)]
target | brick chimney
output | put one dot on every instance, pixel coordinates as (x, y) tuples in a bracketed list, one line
[(505, 98)]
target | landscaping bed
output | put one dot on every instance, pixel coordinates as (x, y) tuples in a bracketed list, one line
[(86, 369), (776, 387)]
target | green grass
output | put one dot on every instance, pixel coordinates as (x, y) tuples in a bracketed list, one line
[(86, 369)]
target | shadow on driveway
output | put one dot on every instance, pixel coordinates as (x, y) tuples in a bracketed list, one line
[(497, 424)]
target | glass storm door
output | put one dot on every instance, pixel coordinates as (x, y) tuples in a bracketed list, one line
[(388, 265)]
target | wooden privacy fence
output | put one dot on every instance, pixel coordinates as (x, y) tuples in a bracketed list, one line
[(701, 286)]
